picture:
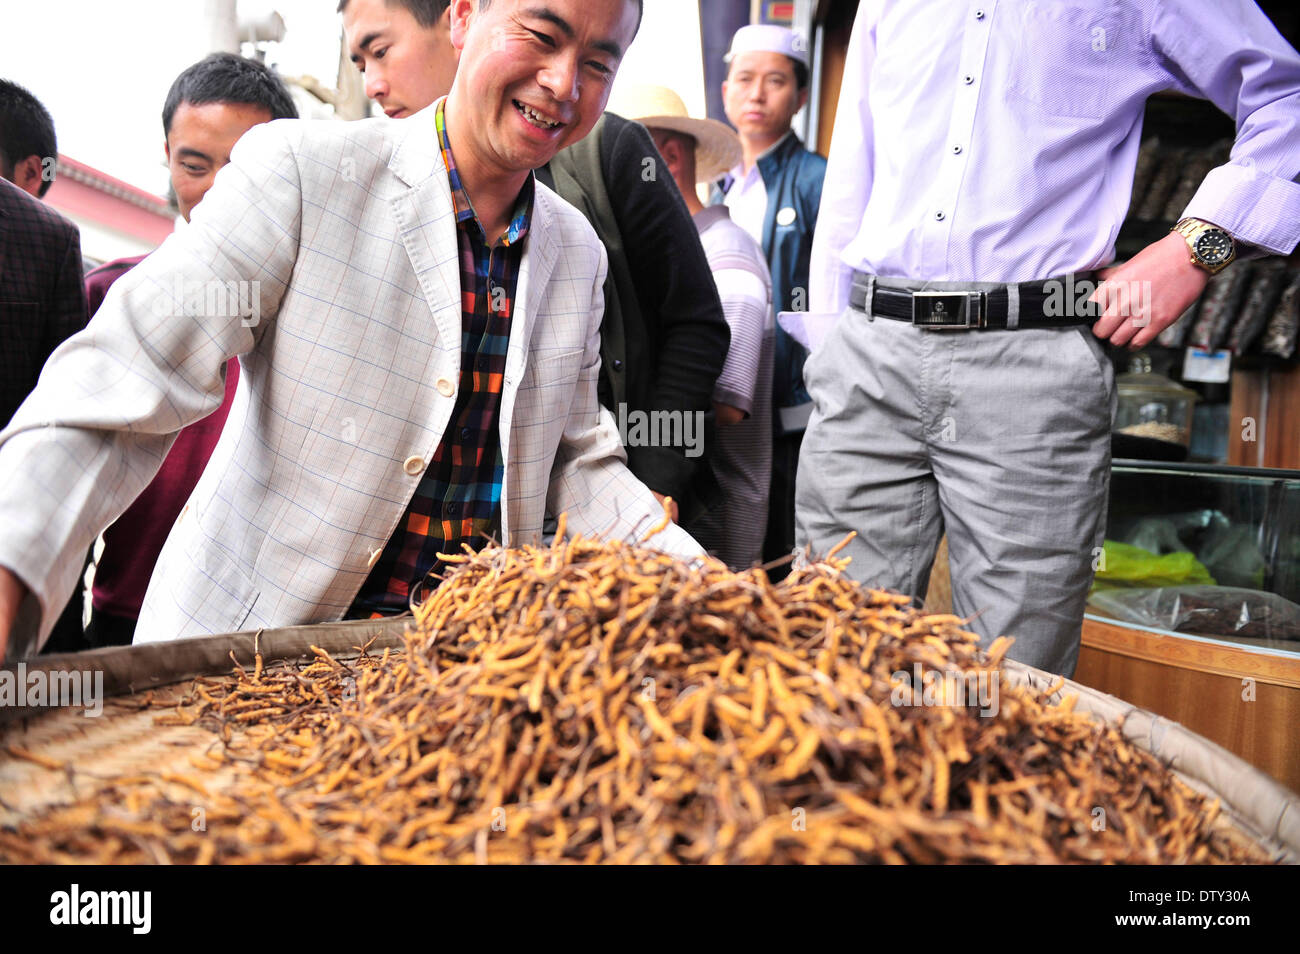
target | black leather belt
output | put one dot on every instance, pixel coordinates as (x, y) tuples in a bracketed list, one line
[(1051, 303)]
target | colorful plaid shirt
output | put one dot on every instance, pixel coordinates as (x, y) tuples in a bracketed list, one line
[(459, 498)]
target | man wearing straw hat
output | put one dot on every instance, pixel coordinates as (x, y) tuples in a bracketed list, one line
[(698, 151), (774, 194)]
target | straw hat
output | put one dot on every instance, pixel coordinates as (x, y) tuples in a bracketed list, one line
[(717, 147)]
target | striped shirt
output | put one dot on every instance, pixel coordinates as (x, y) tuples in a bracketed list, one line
[(458, 499), (742, 457)]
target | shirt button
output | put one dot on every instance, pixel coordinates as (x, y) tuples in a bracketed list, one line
[(938, 216), (979, 14), (968, 79), (445, 387), (618, 364), (453, 509), (956, 150), (464, 433), (414, 465)]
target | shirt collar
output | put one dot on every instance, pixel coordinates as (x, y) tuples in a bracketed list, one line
[(710, 215), (738, 170), (465, 214)]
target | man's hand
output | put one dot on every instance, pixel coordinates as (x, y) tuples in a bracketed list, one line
[(1148, 293), (675, 512), (726, 414), (12, 593)]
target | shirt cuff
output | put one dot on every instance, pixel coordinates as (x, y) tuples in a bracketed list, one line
[(1253, 207), (733, 397)]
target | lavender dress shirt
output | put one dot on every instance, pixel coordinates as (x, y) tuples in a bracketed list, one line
[(996, 140)]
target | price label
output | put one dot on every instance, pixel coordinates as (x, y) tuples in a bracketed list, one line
[(1208, 367)]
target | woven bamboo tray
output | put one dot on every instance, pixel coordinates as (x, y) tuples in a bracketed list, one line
[(65, 756), (141, 683)]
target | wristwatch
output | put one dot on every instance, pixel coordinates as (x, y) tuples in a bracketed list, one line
[(1211, 248)]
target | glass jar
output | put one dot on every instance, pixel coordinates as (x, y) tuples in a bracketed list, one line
[(1153, 407)]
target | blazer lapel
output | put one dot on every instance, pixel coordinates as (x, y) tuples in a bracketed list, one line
[(530, 294), (427, 224), (534, 274)]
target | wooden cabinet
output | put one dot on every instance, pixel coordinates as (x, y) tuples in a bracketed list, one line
[(1264, 420), (1245, 700)]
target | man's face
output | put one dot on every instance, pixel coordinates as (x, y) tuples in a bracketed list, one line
[(761, 95), (536, 73), (199, 145), (406, 66), (673, 150)]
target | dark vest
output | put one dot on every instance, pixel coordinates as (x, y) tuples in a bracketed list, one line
[(570, 169)]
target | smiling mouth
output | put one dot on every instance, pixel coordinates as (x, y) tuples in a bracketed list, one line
[(535, 118)]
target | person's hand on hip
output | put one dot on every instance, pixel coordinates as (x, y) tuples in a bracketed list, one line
[(1148, 293)]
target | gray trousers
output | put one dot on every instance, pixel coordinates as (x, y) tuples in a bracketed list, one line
[(1000, 437)]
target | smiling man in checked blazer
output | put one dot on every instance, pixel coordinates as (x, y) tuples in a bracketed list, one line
[(417, 321)]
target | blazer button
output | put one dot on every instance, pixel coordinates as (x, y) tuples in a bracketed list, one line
[(445, 387), (414, 465)]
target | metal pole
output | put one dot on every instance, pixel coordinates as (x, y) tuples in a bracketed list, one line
[(719, 20), (222, 22)]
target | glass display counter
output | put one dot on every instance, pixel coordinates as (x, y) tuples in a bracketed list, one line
[(1203, 551), (1195, 613)]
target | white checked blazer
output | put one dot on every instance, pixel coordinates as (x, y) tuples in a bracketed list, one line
[(349, 377)]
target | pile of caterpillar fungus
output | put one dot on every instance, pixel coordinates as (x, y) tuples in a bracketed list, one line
[(602, 702)]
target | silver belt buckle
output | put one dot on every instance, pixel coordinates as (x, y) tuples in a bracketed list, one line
[(949, 311)]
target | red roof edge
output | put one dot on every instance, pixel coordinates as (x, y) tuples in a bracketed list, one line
[(103, 182)]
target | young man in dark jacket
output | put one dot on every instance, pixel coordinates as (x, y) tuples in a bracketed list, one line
[(28, 146)]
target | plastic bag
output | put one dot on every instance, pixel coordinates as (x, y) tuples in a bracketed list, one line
[(1232, 554), (1122, 565), (1157, 535), (1204, 610)]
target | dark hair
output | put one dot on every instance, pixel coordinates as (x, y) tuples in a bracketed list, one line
[(640, 12), (426, 12), (26, 129), (429, 12), (227, 78)]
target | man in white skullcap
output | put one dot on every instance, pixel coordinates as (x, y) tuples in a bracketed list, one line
[(774, 193), (696, 151)]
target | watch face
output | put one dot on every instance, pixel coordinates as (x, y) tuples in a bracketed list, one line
[(1214, 247)]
